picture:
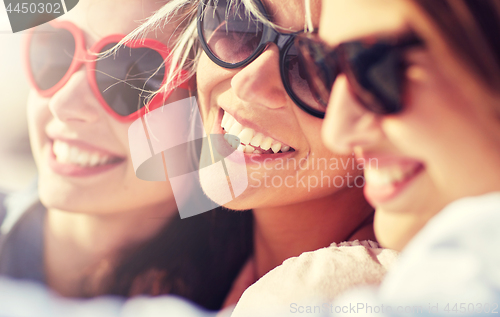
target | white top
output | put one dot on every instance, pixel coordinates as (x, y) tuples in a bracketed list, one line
[(454, 259), (315, 277)]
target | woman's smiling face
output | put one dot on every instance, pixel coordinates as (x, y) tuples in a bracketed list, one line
[(293, 165), (81, 151), (441, 147)]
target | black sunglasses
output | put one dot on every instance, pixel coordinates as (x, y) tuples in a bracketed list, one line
[(375, 70), (233, 38)]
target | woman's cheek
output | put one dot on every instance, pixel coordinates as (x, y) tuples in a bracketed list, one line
[(38, 116)]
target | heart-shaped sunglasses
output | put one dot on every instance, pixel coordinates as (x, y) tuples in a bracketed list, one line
[(124, 82)]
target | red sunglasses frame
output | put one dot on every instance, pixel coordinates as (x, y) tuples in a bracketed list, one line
[(88, 57)]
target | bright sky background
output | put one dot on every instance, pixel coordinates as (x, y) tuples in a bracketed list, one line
[(4, 20), (16, 164)]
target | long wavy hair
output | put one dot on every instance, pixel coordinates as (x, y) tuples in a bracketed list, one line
[(197, 258), (472, 29)]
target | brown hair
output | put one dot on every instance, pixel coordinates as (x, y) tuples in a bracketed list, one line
[(197, 258), (472, 29)]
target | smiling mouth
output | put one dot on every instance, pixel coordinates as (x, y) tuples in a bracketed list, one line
[(69, 154), (386, 182), (250, 141), (391, 174)]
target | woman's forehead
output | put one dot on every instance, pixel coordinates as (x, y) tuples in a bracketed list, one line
[(291, 14), (346, 20)]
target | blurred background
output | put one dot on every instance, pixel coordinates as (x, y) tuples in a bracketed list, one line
[(17, 168)]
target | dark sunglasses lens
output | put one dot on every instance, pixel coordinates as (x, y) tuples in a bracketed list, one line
[(128, 78), (231, 34), (51, 52), (376, 75), (310, 73), (300, 82)]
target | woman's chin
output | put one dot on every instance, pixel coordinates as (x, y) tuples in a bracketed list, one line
[(69, 197), (59, 202)]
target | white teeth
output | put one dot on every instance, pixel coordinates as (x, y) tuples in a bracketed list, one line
[(245, 148), (94, 159), (83, 158), (386, 175), (235, 129), (234, 143), (276, 147), (228, 123), (257, 139), (266, 144), (61, 150), (225, 118), (74, 155), (248, 136), (249, 149)]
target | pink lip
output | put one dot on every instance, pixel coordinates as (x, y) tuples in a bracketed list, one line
[(225, 149), (74, 170), (379, 194)]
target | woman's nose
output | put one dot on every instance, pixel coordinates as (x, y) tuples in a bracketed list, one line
[(347, 124), (260, 81), (75, 101)]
